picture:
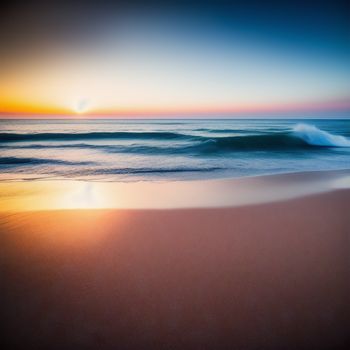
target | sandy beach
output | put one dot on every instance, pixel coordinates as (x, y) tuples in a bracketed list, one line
[(272, 275), (175, 175)]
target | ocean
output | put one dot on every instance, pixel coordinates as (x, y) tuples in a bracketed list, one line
[(134, 150)]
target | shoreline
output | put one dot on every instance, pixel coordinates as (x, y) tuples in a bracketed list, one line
[(218, 193)]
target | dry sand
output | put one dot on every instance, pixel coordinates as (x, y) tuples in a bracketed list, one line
[(267, 276)]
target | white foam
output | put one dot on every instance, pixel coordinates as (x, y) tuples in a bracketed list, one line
[(317, 137)]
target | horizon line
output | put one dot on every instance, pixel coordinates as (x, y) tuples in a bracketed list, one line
[(199, 117)]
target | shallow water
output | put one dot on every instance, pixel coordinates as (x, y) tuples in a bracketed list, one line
[(131, 150)]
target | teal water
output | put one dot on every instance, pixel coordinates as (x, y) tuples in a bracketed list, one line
[(132, 150)]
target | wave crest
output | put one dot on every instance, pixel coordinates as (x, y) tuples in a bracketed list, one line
[(316, 137)]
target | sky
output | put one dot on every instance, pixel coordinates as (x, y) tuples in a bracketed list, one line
[(164, 58)]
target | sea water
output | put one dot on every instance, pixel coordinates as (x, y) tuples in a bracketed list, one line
[(182, 149)]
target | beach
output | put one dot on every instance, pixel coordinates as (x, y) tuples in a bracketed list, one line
[(264, 274), (175, 175)]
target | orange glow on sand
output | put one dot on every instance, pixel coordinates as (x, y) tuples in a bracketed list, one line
[(70, 195)]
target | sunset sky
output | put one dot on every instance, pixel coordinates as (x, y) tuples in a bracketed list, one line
[(174, 58)]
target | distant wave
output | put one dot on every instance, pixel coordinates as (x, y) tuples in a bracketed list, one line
[(134, 148), (85, 172), (9, 162), (122, 135), (126, 171), (316, 137), (17, 161), (227, 131)]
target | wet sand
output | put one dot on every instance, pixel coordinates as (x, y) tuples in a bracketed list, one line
[(68, 194), (264, 276)]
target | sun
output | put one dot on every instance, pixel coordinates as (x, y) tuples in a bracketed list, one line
[(81, 105)]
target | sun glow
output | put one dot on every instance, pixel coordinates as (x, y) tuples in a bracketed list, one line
[(81, 105), (84, 196), (22, 196)]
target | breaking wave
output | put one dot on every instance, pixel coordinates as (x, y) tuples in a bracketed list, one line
[(316, 137)]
